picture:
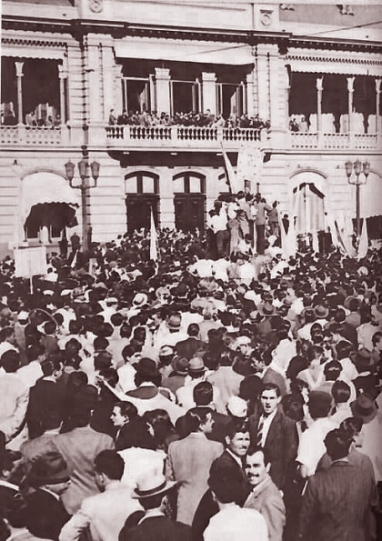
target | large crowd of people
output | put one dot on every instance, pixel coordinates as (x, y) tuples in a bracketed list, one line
[(185, 399), (148, 119)]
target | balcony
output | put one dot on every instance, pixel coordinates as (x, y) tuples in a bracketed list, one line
[(179, 138), (334, 141), (30, 136)]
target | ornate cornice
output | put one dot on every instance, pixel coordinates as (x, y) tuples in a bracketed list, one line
[(29, 42)]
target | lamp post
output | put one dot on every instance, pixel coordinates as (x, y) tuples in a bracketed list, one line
[(357, 174), (83, 171)]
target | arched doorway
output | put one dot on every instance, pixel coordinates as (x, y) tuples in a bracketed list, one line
[(47, 207), (189, 200), (142, 196)]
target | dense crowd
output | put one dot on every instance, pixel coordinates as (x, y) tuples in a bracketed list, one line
[(208, 120), (180, 399)]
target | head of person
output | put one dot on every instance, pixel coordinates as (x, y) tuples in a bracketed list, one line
[(52, 367), (10, 361), (341, 392), (224, 484), (203, 393), (270, 398), (377, 340), (237, 438), (51, 472), (199, 420), (344, 349), (152, 491), (352, 427), (320, 404), (256, 466), (108, 467), (337, 444), (159, 424), (332, 370), (123, 413)]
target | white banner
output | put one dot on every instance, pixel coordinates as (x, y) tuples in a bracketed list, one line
[(30, 262)]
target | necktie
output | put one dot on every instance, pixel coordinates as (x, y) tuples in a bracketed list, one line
[(259, 435)]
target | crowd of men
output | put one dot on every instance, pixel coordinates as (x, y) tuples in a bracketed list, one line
[(181, 400), (208, 120)]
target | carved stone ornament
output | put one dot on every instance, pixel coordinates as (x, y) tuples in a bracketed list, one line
[(96, 6), (266, 18)]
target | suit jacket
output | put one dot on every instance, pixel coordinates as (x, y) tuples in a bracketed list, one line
[(44, 515), (157, 529), (46, 396), (219, 429), (79, 447), (336, 505), (187, 348), (208, 507), (103, 514), (266, 498), (189, 462), (280, 446)]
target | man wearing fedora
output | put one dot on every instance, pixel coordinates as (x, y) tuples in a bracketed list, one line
[(44, 513), (152, 492)]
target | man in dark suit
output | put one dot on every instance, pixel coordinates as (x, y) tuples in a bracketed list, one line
[(152, 492), (189, 347), (44, 513), (231, 464), (274, 432), (337, 502)]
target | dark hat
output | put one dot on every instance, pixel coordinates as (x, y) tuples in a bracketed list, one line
[(147, 368), (243, 367), (364, 408), (180, 365), (363, 360), (49, 469)]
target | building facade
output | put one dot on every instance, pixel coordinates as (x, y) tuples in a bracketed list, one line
[(311, 72)]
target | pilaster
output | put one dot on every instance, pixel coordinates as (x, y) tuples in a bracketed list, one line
[(209, 92), (162, 90)]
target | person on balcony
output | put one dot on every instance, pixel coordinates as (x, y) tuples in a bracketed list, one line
[(30, 119), (112, 118), (123, 119)]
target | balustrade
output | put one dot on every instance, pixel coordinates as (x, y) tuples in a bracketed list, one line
[(30, 135)]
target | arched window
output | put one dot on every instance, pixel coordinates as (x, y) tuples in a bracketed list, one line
[(189, 182), (189, 189)]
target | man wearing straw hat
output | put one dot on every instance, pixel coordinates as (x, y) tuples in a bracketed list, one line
[(152, 492)]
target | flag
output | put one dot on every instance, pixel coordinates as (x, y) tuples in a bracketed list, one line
[(153, 239), (363, 242), (231, 175)]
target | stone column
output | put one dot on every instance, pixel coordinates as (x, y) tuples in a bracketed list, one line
[(209, 92), (350, 84), (320, 89), (263, 90), (250, 98), (162, 87), (62, 75), (92, 68), (377, 106), (19, 75)]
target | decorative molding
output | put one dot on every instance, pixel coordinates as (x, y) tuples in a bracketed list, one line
[(29, 42)]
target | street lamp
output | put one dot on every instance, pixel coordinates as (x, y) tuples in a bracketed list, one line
[(361, 172), (83, 171)]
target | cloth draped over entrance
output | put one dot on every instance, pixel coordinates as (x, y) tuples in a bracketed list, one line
[(308, 209)]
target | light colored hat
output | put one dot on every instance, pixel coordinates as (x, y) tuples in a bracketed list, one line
[(152, 484), (140, 300), (111, 300), (22, 316), (196, 364), (174, 321), (237, 407), (243, 341)]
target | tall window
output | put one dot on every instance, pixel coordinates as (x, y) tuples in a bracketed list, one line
[(185, 96), (230, 99), (136, 94)]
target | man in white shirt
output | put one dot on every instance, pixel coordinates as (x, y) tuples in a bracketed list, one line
[(103, 514)]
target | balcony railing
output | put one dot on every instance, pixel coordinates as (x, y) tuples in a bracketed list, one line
[(186, 137), (334, 141), (30, 135)]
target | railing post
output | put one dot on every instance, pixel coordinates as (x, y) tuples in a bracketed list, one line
[(174, 133), (21, 133)]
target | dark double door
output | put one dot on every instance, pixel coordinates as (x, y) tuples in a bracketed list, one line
[(189, 212), (139, 211)]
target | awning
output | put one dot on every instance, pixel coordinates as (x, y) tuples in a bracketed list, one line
[(179, 51), (44, 187)]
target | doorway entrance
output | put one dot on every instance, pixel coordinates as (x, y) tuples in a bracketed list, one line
[(189, 201), (142, 197)]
